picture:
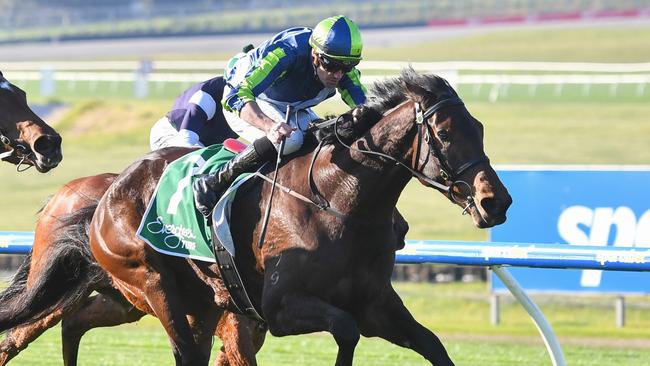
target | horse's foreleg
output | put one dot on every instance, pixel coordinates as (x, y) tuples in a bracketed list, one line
[(19, 338), (242, 338), (291, 314), (389, 319), (203, 325), (97, 311)]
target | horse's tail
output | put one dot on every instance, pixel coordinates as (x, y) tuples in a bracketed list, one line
[(68, 275)]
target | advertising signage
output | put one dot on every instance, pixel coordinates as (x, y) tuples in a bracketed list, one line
[(598, 206)]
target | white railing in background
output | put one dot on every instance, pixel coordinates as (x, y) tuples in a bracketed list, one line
[(462, 79), (497, 75), (573, 67), (498, 83)]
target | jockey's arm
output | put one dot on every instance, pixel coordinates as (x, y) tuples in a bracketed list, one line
[(241, 99), (188, 133), (252, 113), (352, 91), (275, 130)]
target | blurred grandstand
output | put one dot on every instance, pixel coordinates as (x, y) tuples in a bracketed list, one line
[(52, 20)]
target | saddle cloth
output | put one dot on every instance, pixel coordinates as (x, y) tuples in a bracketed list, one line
[(171, 224)]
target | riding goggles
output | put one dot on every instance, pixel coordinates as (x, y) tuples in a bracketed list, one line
[(330, 64)]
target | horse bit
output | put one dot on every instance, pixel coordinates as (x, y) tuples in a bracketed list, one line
[(448, 174), (17, 149)]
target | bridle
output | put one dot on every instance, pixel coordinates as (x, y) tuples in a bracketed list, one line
[(16, 149), (447, 173), (23, 153)]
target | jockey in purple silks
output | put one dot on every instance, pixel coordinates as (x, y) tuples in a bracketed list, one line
[(195, 120)]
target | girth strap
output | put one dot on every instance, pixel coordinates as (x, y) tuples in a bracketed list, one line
[(232, 280)]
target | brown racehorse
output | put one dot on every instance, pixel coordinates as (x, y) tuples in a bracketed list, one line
[(25, 139), (316, 271), (59, 275), (56, 247), (61, 262), (48, 268)]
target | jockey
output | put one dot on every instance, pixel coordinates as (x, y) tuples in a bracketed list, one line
[(195, 120), (299, 67)]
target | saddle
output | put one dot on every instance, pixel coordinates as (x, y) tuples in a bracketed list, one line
[(171, 224), (235, 146)]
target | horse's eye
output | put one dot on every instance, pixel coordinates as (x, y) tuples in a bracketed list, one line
[(443, 135)]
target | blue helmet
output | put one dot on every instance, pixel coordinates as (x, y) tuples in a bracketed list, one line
[(338, 38)]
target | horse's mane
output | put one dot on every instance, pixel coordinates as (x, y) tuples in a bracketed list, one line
[(389, 93), (385, 95)]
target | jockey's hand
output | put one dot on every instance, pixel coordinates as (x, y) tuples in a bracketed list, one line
[(364, 117), (278, 131)]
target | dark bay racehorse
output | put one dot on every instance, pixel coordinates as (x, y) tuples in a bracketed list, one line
[(59, 275), (24, 138), (316, 271)]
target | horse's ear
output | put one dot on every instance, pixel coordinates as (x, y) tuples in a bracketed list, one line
[(1, 74), (414, 91)]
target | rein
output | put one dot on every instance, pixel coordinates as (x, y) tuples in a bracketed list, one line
[(16, 149), (446, 172), (299, 196)]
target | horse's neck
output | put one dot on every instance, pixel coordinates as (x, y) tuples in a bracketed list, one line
[(367, 183)]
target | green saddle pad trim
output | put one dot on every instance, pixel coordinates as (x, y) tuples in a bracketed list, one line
[(171, 223)]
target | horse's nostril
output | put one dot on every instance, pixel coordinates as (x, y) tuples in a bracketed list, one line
[(492, 206), (47, 143)]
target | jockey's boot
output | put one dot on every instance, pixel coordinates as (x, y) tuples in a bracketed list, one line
[(208, 188)]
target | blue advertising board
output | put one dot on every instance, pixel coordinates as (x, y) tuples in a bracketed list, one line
[(607, 206)]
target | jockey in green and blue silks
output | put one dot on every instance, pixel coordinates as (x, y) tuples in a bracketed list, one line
[(299, 67)]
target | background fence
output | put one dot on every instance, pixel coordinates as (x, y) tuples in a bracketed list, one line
[(485, 80)]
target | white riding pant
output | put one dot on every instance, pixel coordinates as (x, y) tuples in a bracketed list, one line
[(163, 134), (301, 112), (299, 119)]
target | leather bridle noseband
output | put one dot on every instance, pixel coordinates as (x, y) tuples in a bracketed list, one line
[(447, 173), (16, 149)]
